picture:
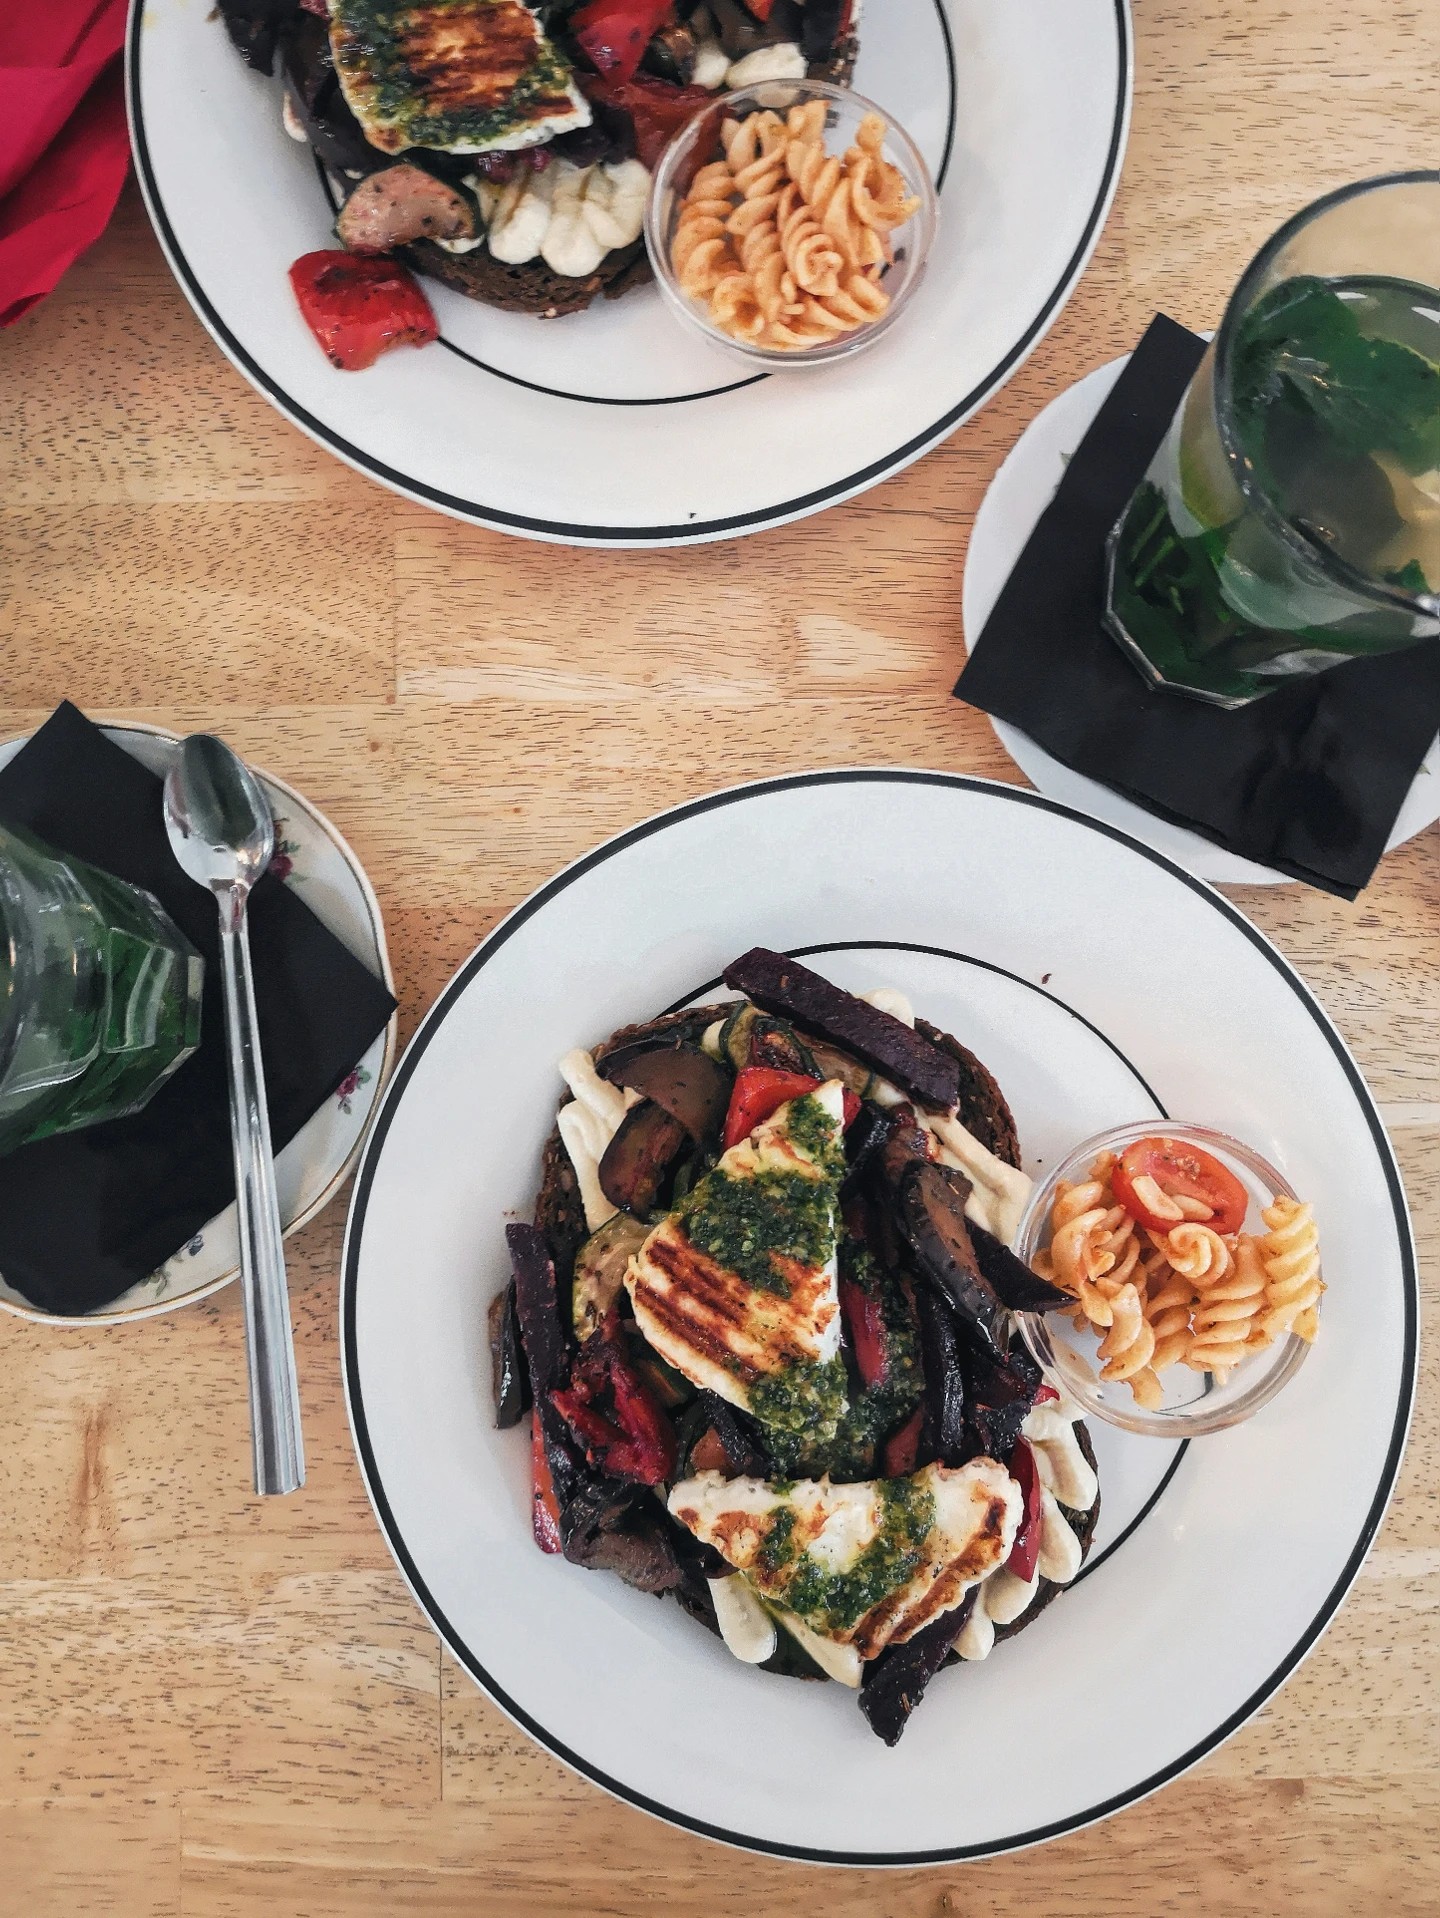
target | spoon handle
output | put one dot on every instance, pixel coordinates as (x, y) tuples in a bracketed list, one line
[(274, 1393)]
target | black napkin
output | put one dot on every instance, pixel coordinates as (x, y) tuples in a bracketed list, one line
[(1307, 780), (85, 1215)]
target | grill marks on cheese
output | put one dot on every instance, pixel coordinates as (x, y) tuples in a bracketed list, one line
[(713, 1323), (463, 75), (865, 1565)]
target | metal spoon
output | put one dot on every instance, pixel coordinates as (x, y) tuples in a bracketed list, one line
[(222, 833)]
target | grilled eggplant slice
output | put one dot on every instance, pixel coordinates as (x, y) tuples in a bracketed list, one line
[(1018, 1288), (932, 1218), (907, 1058), (750, 1038), (637, 1159), (895, 1682), (682, 1080), (509, 1374), (942, 1405)]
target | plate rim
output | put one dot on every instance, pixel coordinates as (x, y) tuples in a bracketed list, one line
[(107, 1316), (434, 1018), (701, 532)]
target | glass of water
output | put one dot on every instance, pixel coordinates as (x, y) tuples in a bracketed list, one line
[(1291, 518), (99, 993)]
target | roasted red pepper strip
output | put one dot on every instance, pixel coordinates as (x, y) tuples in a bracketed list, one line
[(760, 8), (1044, 1392), (633, 1439), (544, 1506), (865, 1324), (902, 1447), (759, 1093), (657, 109), (1025, 1552), (615, 33), (358, 307)]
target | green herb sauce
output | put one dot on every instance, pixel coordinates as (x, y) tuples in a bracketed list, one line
[(743, 1223), (796, 1403), (873, 1411), (835, 1601)]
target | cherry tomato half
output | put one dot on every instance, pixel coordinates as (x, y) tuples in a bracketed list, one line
[(1179, 1171)]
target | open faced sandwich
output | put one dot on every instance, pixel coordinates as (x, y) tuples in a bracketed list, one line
[(506, 149), (762, 1325)]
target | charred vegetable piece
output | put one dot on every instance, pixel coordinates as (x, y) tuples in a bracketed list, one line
[(360, 308), (657, 109), (738, 29), (932, 1218), (401, 204), (544, 1506), (1017, 1287), (615, 33), (902, 1448), (832, 1063), (507, 1360), (864, 1323), (752, 1038), (611, 1528), (615, 1417), (1000, 1388), (256, 27), (671, 52), (730, 1440), (908, 1059), (637, 1159), (820, 28), (942, 1433), (600, 1271), (1025, 1552), (863, 1140), (537, 1303), (682, 1080), (895, 1682)]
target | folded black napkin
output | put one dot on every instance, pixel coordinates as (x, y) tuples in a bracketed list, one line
[(1307, 780), (85, 1215)]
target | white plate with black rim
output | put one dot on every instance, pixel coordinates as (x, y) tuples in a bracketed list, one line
[(1100, 982), (617, 426)]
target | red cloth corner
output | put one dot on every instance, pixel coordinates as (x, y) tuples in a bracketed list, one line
[(64, 149)]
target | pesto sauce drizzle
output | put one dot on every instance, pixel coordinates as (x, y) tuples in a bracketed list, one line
[(876, 1410), (835, 1601), (801, 1401), (743, 1222)]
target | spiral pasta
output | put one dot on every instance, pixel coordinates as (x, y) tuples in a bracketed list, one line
[(1226, 1313), (1187, 1294), (1290, 1251), (786, 242)]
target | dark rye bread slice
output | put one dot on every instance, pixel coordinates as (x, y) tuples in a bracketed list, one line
[(983, 1110), (535, 288)]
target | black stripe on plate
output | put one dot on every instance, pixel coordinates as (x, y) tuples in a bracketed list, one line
[(563, 530), (355, 1227)]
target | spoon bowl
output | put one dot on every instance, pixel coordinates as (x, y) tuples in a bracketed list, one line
[(217, 816)]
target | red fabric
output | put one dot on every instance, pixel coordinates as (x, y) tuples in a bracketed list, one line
[(64, 149)]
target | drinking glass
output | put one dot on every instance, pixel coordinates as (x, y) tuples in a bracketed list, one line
[(1291, 518), (99, 993)]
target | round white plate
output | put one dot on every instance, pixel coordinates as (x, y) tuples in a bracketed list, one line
[(618, 426), (1000, 913), (1014, 501), (324, 870)]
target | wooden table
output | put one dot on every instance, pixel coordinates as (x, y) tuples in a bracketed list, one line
[(217, 1707)]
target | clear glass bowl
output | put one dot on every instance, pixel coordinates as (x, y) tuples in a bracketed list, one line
[(1195, 1402), (698, 143)]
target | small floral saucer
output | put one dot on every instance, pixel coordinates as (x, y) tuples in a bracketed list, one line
[(311, 856)]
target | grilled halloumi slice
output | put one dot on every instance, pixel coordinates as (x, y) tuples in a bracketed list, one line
[(867, 1565), (737, 1288), (462, 76)]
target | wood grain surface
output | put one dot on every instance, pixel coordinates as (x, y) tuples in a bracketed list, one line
[(212, 1707)]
